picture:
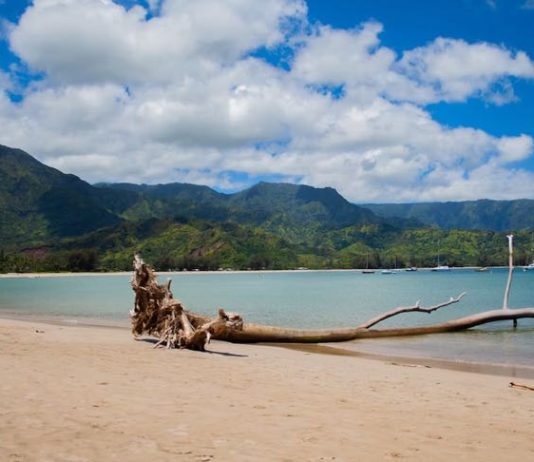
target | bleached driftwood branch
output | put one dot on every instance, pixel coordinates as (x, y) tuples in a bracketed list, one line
[(510, 238), (408, 309)]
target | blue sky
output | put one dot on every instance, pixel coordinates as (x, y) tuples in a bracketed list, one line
[(412, 23), (384, 100)]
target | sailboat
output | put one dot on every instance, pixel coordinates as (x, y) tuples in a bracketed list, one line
[(367, 270), (440, 267), (389, 271)]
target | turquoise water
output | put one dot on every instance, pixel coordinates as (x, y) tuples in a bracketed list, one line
[(312, 299)]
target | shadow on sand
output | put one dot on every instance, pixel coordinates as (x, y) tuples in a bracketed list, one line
[(153, 341)]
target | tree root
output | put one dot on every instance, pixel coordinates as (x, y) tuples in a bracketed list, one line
[(158, 314)]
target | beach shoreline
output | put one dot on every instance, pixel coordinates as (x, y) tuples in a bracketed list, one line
[(178, 272), (93, 393), (338, 349)]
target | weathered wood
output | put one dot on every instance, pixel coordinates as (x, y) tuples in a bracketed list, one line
[(252, 333), (519, 385), (510, 238), (408, 309), (158, 314)]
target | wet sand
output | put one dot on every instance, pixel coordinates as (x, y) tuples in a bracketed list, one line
[(72, 393)]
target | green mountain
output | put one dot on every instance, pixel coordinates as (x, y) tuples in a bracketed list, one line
[(169, 200), (50, 221), (482, 214), (265, 204), (39, 203), (271, 204)]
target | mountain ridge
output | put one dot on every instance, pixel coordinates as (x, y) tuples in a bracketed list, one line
[(263, 202), (38, 202), (51, 221), (483, 214)]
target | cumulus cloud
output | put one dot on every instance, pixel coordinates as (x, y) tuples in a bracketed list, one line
[(354, 59), (92, 41), (181, 93), (339, 56), (457, 70)]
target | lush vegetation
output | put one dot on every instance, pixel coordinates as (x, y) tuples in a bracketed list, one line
[(210, 246), (482, 214), (38, 203), (50, 221)]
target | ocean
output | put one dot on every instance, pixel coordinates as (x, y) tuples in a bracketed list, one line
[(307, 299)]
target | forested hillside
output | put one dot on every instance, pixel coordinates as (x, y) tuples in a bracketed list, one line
[(50, 221), (484, 214)]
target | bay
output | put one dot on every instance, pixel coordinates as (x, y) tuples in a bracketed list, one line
[(306, 299)]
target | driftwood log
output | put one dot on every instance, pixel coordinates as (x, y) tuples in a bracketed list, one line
[(158, 314)]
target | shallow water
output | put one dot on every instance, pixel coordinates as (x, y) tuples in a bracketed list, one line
[(311, 299)]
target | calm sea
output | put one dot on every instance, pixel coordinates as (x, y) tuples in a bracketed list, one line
[(311, 299)]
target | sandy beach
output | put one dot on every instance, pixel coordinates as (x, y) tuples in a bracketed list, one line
[(94, 394)]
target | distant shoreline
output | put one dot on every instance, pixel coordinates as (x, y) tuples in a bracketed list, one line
[(128, 273)]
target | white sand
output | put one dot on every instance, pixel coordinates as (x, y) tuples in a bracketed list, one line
[(94, 394)]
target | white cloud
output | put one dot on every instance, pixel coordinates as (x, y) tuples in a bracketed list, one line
[(514, 149), (528, 5), (444, 70), (355, 59), (178, 97), (91, 41), (339, 56), (457, 70)]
